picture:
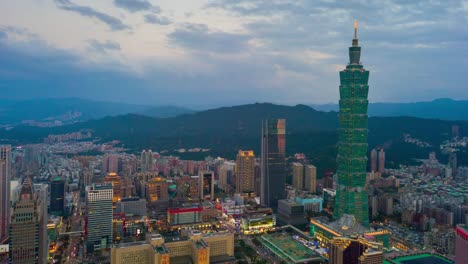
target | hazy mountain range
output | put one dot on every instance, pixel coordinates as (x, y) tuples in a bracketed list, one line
[(445, 109), (228, 129), (71, 110)]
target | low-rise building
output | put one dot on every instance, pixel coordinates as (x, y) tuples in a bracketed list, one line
[(194, 247)]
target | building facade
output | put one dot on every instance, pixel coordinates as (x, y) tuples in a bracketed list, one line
[(131, 206), (351, 195), (99, 216), (57, 196), (461, 246), (206, 185), (24, 226), (310, 181), (5, 170), (115, 180), (381, 161), (194, 247), (297, 175), (245, 171), (273, 162), (354, 251)]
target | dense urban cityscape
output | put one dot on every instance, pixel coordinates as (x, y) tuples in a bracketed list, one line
[(116, 207), (270, 187)]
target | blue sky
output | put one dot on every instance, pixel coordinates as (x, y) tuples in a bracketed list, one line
[(226, 52)]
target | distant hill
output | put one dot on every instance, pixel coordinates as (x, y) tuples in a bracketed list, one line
[(445, 109), (70, 110), (164, 111), (227, 129)]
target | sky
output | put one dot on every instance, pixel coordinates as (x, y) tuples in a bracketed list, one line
[(228, 52)]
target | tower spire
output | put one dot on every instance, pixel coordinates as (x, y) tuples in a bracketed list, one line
[(355, 40), (355, 28)]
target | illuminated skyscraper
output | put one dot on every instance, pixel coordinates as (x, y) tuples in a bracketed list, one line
[(273, 162), (245, 171), (5, 169), (99, 216), (351, 195)]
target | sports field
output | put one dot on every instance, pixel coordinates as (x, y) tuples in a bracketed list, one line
[(283, 245), (421, 259)]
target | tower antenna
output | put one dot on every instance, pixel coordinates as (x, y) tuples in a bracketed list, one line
[(355, 29)]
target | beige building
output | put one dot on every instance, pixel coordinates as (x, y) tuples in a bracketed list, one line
[(245, 171), (310, 178), (195, 248), (298, 176)]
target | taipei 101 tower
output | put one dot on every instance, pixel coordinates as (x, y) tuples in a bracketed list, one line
[(351, 195)]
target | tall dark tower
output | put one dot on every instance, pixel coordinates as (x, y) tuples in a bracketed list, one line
[(57, 196), (273, 162), (351, 195)]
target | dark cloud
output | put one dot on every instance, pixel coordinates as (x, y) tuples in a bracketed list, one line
[(103, 46), (113, 22), (200, 37), (288, 52), (157, 19), (137, 5)]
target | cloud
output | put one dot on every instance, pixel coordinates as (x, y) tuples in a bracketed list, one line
[(283, 51), (137, 5), (113, 22), (200, 37), (156, 19), (104, 46)]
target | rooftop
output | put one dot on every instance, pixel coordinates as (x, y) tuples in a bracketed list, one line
[(286, 247), (425, 258)]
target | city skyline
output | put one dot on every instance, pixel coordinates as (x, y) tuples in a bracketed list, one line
[(151, 52)]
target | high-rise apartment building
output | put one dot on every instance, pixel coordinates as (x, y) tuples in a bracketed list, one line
[(24, 226), (110, 163), (354, 251), (273, 162), (297, 175), (310, 178), (351, 195), (373, 160), (99, 216), (381, 161), (461, 246), (245, 171), (5, 170), (57, 196), (146, 161), (453, 163)]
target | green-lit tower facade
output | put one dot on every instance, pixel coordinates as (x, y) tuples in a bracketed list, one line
[(351, 195)]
